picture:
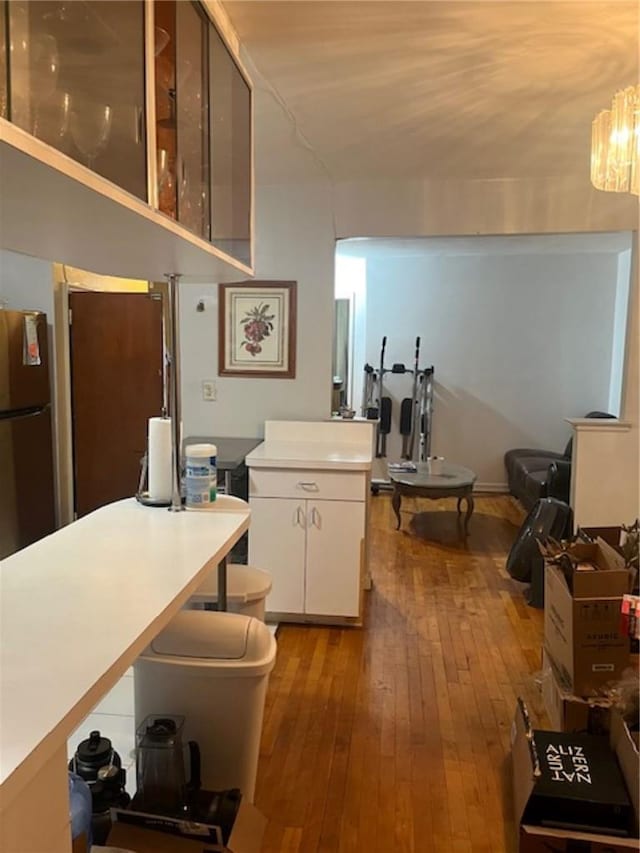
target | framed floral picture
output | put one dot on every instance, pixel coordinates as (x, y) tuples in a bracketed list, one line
[(257, 329)]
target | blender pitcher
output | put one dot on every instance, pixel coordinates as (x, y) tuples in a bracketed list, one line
[(160, 774)]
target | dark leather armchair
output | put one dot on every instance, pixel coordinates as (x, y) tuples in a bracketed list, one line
[(533, 473)]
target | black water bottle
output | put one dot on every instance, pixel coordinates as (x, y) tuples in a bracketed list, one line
[(97, 762)]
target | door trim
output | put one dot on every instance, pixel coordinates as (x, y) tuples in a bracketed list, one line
[(63, 428), (62, 394)]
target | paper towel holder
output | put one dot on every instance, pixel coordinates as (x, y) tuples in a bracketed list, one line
[(142, 495)]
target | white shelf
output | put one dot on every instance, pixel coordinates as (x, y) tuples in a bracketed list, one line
[(77, 609), (61, 211)]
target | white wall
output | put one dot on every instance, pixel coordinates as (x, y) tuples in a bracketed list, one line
[(26, 283), (351, 284), (294, 243), (520, 338), (619, 332), (418, 207)]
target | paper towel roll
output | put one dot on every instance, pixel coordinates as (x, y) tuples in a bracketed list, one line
[(160, 473)]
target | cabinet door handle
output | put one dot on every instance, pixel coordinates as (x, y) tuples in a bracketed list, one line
[(310, 486), (316, 518), (299, 517)]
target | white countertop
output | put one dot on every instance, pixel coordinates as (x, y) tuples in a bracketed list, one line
[(310, 454), (76, 609)]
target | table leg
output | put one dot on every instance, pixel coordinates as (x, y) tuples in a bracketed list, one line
[(396, 497), (469, 513), (222, 584)]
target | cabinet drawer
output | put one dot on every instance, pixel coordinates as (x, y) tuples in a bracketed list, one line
[(289, 483)]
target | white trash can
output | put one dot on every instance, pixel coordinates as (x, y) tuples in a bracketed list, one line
[(213, 669), (247, 589)]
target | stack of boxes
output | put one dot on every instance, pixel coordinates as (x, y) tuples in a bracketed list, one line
[(585, 651), (574, 790)]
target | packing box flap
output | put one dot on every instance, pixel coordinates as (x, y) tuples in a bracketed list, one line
[(525, 768), (246, 836), (139, 839), (591, 842), (568, 712), (609, 579), (629, 759), (524, 764)]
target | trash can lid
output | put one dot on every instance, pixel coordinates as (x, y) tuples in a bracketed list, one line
[(213, 636), (244, 583)]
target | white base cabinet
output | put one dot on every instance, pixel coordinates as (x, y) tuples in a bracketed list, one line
[(309, 539), (334, 541), (277, 544)]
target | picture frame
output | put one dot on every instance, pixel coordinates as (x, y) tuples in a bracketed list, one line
[(257, 329)]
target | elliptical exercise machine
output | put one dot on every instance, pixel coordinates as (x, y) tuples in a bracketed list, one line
[(416, 412)]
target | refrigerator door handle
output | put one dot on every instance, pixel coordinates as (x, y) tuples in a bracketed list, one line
[(11, 414)]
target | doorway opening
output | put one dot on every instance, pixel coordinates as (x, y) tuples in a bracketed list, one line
[(523, 331)]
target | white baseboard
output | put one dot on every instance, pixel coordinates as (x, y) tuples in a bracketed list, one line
[(494, 488)]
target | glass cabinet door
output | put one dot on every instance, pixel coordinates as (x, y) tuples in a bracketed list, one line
[(192, 118), (77, 82), (182, 110), (166, 128), (230, 105)]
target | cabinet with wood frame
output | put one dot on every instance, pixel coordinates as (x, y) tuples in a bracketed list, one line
[(143, 102)]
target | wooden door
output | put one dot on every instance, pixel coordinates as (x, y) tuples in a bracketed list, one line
[(116, 385), (334, 536), (276, 544)]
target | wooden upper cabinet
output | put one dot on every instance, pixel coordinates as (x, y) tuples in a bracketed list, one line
[(77, 82), (145, 94)]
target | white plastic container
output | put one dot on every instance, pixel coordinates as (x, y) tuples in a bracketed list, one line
[(213, 669), (201, 482), (435, 465), (247, 589)]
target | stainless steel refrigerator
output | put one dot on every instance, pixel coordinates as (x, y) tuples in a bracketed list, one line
[(27, 502)]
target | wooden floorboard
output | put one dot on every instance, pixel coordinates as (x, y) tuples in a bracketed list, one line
[(395, 737)]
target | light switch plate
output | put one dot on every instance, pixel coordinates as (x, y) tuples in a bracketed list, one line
[(209, 390)]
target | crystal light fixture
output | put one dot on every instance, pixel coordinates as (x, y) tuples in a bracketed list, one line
[(615, 144)]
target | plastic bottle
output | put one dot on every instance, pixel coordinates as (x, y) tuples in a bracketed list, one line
[(200, 474), (80, 811)]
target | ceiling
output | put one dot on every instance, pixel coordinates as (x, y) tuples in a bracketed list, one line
[(441, 89)]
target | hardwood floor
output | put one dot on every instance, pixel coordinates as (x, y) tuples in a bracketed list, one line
[(395, 737)]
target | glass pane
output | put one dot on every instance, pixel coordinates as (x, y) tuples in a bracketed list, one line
[(166, 131), (4, 107), (192, 116), (230, 105), (166, 143), (77, 82)]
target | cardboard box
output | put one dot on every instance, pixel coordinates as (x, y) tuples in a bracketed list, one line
[(582, 619), (611, 535), (542, 839), (569, 713), (246, 836)]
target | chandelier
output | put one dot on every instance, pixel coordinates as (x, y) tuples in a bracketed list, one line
[(615, 144)]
